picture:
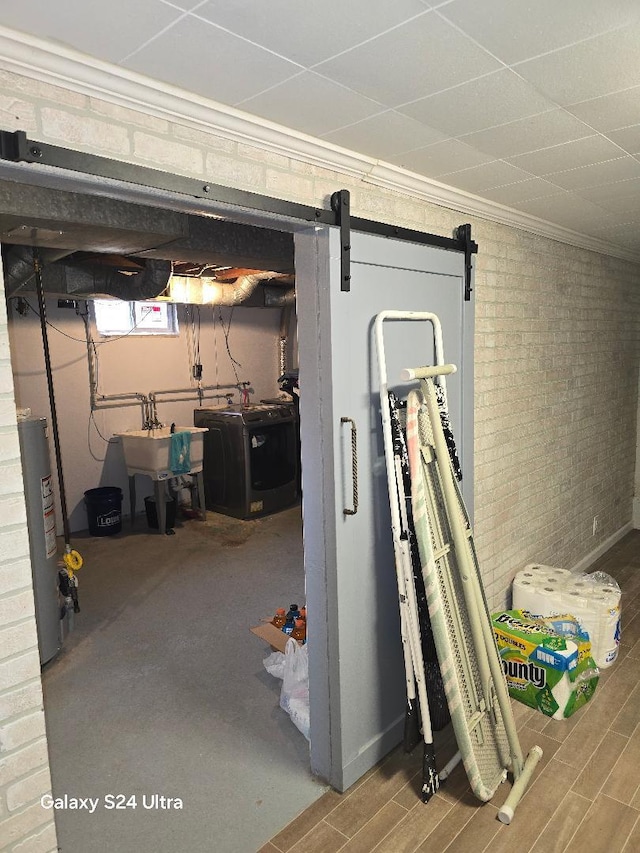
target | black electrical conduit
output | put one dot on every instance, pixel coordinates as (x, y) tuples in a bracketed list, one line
[(37, 267)]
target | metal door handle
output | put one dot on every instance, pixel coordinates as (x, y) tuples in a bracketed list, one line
[(354, 465)]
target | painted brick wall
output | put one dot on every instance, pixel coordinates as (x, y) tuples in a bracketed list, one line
[(556, 381), (24, 762)]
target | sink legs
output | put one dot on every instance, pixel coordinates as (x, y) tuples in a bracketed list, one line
[(159, 492), (132, 497), (201, 506)]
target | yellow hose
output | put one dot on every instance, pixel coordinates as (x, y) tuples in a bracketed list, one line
[(73, 561)]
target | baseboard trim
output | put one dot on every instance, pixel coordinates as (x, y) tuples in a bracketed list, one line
[(370, 755), (592, 556)]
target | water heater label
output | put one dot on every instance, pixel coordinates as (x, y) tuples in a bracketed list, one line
[(49, 516)]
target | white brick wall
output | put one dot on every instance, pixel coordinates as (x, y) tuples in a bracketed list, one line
[(556, 377), (24, 762)]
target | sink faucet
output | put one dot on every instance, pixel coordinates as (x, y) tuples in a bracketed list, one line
[(152, 421)]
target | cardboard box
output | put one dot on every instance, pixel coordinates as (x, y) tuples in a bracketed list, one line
[(272, 635), (547, 662)]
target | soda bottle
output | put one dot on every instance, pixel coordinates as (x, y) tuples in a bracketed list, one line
[(294, 612), (280, 618), (300, 630)]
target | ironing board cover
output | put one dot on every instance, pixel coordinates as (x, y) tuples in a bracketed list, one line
[(479, 730)]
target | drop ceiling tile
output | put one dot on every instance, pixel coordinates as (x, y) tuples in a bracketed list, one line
[(610, 172), (528, 134), (568, 210), (311, 104), (206, 60), (489, 101), (478, 179), (621, 195), (569, 155), (598, 66), (100, 33), (625, 239), (441, 157), (627, 138), (513, 194), (384, 135), (186, 5), (313, 34), (514, 30), (610, 112), (417, 58), (622, 233), (624, 208)]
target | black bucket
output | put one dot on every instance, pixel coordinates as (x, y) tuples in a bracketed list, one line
[(104, 510), (152, 513)]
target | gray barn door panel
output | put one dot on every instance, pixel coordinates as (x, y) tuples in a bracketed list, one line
[(356, 675)]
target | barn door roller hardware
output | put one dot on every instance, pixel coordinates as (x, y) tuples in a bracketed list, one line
[(341, 206), (15, 147), (463, 233)]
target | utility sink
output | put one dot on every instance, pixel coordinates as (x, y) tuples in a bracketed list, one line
[(146, 451)]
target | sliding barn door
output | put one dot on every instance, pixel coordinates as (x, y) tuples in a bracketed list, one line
[(357, 687)]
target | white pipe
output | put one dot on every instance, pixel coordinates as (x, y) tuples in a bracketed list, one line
[(154, 394)]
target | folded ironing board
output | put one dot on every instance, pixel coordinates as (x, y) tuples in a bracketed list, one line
[(469, 661)]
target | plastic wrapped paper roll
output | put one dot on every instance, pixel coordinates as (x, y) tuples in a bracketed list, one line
[(539, 571), (561, 574), (574, 600), (594, 600), (539, 596)]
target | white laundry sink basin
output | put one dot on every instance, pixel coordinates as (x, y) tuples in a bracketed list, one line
[(147, 451)]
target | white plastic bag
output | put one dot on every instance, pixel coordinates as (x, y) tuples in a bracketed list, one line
[(274, 664), (294, 697)]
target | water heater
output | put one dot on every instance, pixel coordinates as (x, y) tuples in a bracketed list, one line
[(41, 523)]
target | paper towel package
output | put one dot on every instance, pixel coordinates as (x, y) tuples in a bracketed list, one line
[(593, 599), (547, 662)]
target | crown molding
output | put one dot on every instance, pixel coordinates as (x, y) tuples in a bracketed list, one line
[(430, 190), (58, 65)]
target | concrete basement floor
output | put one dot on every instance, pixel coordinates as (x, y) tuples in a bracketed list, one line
[(161, 690)]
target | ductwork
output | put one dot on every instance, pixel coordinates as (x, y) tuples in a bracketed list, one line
[(106, 281), (210, 291), (82, 281), (19, 269), (278, 297), (283, 340), (154, 280)]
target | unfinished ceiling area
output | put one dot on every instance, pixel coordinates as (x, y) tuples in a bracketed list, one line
[(93, 246), (533, 105)]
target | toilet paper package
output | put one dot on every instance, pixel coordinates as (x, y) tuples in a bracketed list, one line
[(593, 599), (547, 662)]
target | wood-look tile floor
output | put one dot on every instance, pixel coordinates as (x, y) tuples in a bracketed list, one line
[(585, 795)]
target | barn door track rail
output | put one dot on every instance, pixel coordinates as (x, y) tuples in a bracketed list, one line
[(16, 147)]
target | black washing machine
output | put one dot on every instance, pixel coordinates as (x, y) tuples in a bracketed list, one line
[(251, 458)]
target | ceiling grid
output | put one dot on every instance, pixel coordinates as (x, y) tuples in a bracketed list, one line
[(534, 107)]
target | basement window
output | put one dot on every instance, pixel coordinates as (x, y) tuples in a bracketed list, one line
[(114, 317)]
